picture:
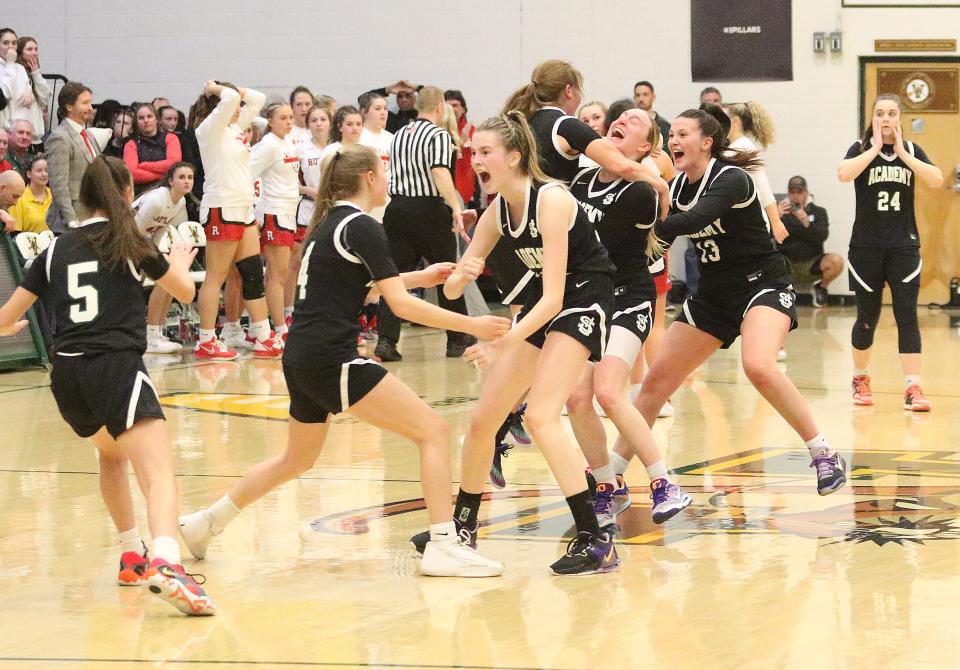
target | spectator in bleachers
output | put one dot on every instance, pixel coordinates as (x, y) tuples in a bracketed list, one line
[(20, 143), (30, 211), (28, 55), (104, 114), (712, 95), (151, 151), (121, 125), (406, 96), (159, 102), (465, 179), (4, 142), (11, 188), (14, 81), (643, 97), (172, 120), (70, 149), (808, 226)]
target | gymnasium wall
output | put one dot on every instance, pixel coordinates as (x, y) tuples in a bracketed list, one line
[(484, 48)]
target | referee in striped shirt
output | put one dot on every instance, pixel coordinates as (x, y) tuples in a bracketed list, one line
[(423, 209)]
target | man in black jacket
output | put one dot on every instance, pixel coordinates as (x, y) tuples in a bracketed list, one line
[(808, 226)]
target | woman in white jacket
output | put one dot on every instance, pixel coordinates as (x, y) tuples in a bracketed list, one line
[(275, 163), (28, 56), (14, 81), (226, 210)]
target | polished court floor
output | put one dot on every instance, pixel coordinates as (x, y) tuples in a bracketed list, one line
[(759, 572)]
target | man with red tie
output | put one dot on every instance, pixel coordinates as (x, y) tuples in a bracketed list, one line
[(70, 149)]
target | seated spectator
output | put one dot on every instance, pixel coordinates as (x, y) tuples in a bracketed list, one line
[(151, 151), (712, 95), (30, 211), (808, 227), (28, 55), (20, 137), (104, 115), (172, 120), (4, 142), (11, 188), (122, 126)]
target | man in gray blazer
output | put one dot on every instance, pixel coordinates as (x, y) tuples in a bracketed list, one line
[(70, 149)]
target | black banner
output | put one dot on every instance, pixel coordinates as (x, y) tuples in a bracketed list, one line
[(741, 40)]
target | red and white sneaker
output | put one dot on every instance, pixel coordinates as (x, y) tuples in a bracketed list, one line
[(214, 350), (862, 395), (272, 347), (914, 400), (133, 567), (288, 319), (179, 589)]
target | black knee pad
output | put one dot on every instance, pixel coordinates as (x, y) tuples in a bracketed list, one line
[(862, 336), (868, 315), (251, 274), (905, 314)]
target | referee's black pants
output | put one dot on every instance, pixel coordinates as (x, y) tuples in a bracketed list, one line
[(419, 228)]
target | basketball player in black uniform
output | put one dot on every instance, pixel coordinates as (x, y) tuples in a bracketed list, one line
[(345, 253), (744, 286), (91, 280), (624, 213), (564, 324), (885, 245)]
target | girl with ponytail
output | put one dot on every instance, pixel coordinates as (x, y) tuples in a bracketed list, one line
[(745, 285), (563, 324), (90, 280), (346, 251)]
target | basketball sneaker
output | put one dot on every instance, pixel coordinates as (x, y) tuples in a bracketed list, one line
[(386, 351), (591, 482), (288, 319), (621, 496), (496, 469), (603, 507), (162, 345), (518, 433), (181, 590), (457, 559), (819, 296), (914, 400), (588, 554), (781, 355), (831, 472), (467, 536), (214, 350), (666, 411), (862, 395), (197, 530), (236, 338), (668, 500), (133, 565), (272, 347)]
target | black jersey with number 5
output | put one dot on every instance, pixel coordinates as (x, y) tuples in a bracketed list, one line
[(584, 251), (623, 213), (885, 215), (95, 310), (548, 125), (722, 216), (346, 253)]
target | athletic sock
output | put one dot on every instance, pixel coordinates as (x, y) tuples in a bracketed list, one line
[(619, 463), (288, 311), (281, 329), (166, 548), (260, 330), (153, 332), (223, 511), (634, 391), (910, 380), (232, 327), (606, 475), (581, 507), (207, 335), (467, 508), (818, 446), (130, 540), (860, 373), (443, 532), (658, 470)]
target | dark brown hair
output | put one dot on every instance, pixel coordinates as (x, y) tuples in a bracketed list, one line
[(339, 118), (341, 172), (69, 94), (204, 105), (868, 131), (22, 42), (301, 89), (710, 119), (102, 190), (546, 85)]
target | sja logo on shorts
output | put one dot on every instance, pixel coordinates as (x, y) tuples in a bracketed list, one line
[(786, 300), (586, 325), (608, 198), (534, 231), (642, 323)]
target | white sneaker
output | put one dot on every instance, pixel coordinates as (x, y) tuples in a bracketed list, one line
[(666, 411), (162, 345), (236, 339), (782, 355), (197, 530), (455, 559)]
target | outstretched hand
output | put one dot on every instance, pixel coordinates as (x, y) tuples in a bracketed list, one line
[(437, 273), (13, 328)]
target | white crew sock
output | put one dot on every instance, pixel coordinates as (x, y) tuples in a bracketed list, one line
[(618, 463), (658, 470), (281, 329), (443, 532), (207, 335), (231, 327), (130, 540), (860, 373), (605, 475), (288, 310), (166, 548), (223, 511), (910, 380), (260, 330), (153, 332), (818, 446)]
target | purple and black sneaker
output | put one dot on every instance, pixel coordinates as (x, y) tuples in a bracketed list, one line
[(668, 499), (496, 468), (603, 507), (518, 433), (621, 496), (831, 472), (588, 554)]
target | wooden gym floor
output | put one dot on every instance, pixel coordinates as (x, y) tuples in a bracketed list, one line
[(760, 572)]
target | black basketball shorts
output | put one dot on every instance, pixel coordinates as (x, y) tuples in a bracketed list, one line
[(633, 316), (721, 315), (315, 393), (872, 267), (584, 316), (111, 389)]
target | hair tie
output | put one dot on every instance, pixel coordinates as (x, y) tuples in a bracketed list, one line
[(336, 155)]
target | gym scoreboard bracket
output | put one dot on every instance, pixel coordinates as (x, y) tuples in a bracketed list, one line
[(26, 347)]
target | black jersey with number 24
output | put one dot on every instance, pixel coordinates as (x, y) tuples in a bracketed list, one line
[(885, 189), (96, 310), (346, 253)]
